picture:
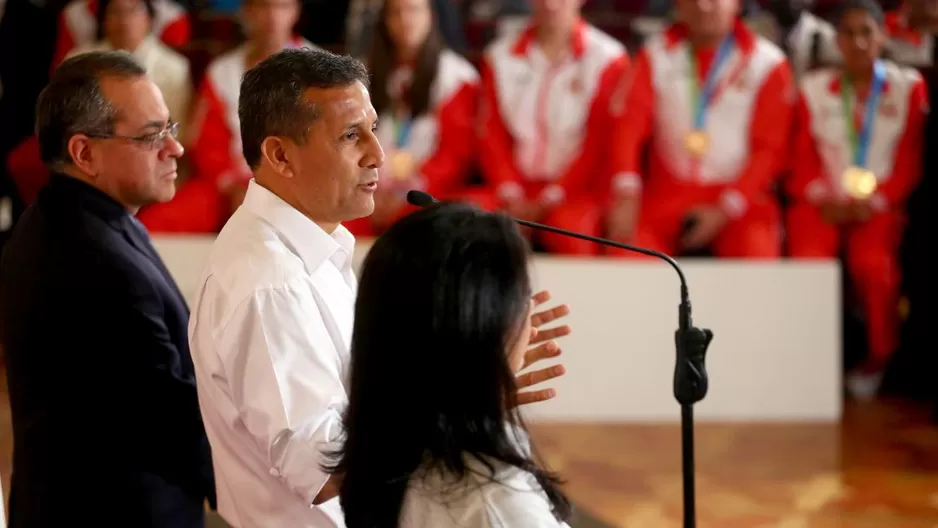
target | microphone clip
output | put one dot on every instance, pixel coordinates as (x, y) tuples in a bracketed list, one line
[(690, 370)]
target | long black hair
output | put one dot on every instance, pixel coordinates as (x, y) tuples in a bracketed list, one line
[(381, 63), (443, 295)]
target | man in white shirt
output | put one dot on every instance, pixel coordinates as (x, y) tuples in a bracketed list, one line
[(271, 323)]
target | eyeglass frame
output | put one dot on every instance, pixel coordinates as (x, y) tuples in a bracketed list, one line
[(153, 140)]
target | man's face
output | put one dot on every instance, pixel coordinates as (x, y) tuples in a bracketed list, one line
[(334, 175), (555, 14), (708, 19), (271, 22), (126, 23), (134, 165), (860, 39)]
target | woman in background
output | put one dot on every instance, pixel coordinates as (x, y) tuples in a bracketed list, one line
[(425, 96), (433, 437)]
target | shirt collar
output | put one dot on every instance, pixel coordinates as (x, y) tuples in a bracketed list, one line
[(745, 39), (309, 241), (528, 39)]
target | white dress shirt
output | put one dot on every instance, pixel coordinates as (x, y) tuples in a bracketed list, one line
[(269, 335), (514, 500)]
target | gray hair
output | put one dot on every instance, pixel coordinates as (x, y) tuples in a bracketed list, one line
[(73, 102)]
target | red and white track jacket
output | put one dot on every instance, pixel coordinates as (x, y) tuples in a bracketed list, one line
[(906, 45), (548, 123), (78, 26), (215, 140), (747, 122), (442, 141), (823, 152)]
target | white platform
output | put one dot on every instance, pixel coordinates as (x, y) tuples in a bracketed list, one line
[(776, 354)]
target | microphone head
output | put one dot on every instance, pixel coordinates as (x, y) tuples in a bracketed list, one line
[(420, 198)]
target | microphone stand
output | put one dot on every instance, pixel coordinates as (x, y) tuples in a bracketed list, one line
[(691, 344), (690, 373)]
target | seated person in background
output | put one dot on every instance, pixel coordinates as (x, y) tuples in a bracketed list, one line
[(910, 33), (126, 25), (426, 98), (220, 174), (857, 159), (546, 120), (78, 25), (448, 288), (121, 25), (713, 102)]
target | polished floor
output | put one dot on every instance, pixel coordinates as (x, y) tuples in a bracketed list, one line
[(879, 468)]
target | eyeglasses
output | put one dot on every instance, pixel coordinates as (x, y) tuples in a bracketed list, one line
[(152, 141)]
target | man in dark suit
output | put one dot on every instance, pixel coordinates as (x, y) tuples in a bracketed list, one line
[(106, 422)]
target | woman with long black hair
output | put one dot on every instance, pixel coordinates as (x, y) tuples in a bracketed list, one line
[(432, 435)]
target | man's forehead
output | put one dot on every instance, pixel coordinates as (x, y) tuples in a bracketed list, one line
[(138, 101), (341, 101)]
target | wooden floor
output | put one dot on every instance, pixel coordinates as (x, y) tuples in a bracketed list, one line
[(879, 468)]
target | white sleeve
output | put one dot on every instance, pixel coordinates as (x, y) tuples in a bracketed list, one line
[(283, 372)]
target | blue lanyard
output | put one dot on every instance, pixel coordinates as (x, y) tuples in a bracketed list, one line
[(402, 129), (701, 98), (860, 140)]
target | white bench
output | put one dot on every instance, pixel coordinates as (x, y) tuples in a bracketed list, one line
[(776, 354)]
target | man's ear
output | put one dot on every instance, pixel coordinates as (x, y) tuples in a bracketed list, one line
[(82, 153), (274, 150)]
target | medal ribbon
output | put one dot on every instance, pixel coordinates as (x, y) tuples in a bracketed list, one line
[(701, 99), (860, 140), (402, 126)]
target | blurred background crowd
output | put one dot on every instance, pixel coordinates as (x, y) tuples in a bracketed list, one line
[(560, 111)]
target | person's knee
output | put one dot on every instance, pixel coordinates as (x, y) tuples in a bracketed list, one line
[(750, 240), (580, 217)]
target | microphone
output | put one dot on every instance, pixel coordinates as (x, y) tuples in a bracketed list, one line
[(690, 373)]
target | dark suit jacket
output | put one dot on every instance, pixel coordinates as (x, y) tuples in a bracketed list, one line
[(106, 423)]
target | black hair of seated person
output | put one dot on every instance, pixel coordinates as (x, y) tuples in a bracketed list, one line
[(442, 296), (871, 7)]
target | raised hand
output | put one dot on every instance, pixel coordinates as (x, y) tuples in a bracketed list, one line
[(545, 348)]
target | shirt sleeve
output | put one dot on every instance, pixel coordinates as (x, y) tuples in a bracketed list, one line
[(808, 181), (283, 375), (496, 145), (907, 168), (774, 109), (633, 108)]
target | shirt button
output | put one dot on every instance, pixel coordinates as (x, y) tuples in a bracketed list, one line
[(274, 473)]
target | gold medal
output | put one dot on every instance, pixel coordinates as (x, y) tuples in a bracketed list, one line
[(697, 143), (859, 183), (402, 165)]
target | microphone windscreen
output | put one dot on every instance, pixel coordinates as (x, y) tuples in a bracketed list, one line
[(420, 198)]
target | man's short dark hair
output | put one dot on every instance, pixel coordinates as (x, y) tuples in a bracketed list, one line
[(271, 102), (73, 102), (871, 7)]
